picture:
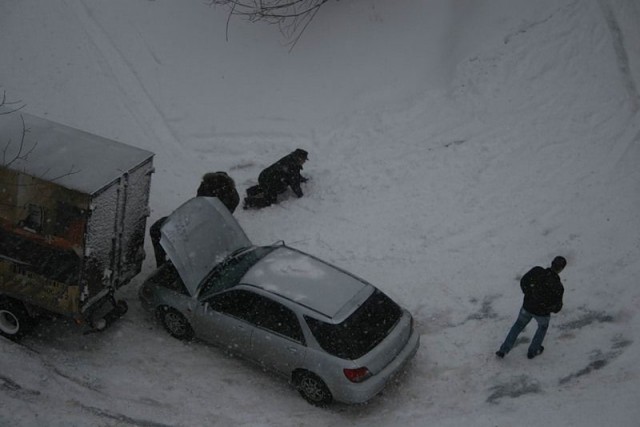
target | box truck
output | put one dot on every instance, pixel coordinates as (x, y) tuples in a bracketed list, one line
[(73, 211)]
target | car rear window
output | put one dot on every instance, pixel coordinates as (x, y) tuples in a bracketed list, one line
[(360, 332)]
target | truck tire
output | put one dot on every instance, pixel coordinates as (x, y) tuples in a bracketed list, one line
[(15, 322)]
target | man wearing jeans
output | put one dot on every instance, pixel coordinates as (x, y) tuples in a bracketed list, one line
[(543, 292)]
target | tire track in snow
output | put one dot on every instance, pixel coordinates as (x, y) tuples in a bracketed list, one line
[(13, 388), (118, 68), (617, 37), (120, 418), (48, 386)]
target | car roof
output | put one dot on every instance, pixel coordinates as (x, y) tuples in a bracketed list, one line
[(309, 282)]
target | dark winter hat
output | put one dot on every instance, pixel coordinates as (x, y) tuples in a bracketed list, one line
[(301, 154), (212, 174), (558, 263)]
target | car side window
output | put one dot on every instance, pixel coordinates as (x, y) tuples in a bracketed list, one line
[(237, 303), (276, 317), (260, 311)]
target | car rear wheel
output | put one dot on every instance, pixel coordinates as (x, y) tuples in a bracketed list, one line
[(15, 322), (313, 389), (176, 324)]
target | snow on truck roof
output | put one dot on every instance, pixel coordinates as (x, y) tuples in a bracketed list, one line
[(70, 157)]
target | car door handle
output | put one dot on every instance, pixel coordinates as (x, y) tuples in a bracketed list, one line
[(292, 349)]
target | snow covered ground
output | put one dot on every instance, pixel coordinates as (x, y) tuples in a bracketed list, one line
[(453, 145)]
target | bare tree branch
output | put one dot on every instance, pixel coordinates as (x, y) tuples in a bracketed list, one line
[(22, 154), (9, 107), (23, 150), (12, 107), (292, 16)]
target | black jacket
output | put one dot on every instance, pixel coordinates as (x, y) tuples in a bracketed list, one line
[(282, 174), (154, 233), (542, 290), (222, 186)]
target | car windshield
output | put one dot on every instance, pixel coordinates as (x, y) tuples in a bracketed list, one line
[(361, 331), (229, 272)]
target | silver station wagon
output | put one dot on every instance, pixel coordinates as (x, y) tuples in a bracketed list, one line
[(332, 335)]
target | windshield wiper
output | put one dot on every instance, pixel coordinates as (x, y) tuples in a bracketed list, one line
[(240, 251)]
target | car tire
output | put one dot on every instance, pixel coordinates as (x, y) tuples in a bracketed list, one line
[(313, 389), (176, 324), (122, 307), (15, 321)]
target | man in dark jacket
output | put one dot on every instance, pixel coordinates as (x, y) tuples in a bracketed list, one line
[(543, 293), (283, 174), (222, 186), (213, 184), (154, 233)]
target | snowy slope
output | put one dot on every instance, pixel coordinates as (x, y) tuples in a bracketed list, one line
[(453, 145)]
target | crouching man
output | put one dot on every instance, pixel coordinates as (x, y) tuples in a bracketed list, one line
[(276, 179)]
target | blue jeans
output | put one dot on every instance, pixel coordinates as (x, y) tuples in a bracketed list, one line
[(524, 317)]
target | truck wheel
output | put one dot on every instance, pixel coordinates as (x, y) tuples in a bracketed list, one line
[(176, 324), (15, 322)]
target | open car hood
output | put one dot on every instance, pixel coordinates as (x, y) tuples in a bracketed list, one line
[(199, 235)]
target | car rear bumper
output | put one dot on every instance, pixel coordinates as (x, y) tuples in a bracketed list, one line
[(364, 391)]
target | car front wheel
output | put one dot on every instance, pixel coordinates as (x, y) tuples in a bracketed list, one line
[(15, 322), (176, 324), (313, 389)]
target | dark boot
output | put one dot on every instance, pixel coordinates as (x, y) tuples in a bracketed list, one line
[(536, 353)]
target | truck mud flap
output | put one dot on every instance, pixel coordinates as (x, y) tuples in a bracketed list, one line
[(104, 316)]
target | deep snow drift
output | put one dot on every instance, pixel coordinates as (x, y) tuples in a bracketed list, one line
[(453, 145)]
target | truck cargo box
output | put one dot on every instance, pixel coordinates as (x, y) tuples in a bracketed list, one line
[(73, 211)]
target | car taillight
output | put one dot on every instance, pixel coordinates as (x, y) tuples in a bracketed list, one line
[(357, 375)]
